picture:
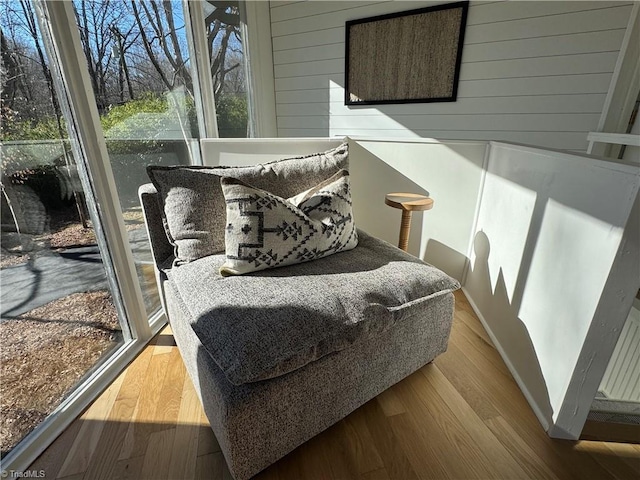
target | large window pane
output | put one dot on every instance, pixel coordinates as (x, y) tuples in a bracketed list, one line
[(226, 57), (138, 62), (57, 316)]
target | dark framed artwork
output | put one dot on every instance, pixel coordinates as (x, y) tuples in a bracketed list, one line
[(405, 57)]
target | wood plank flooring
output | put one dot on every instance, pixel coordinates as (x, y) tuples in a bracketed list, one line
[(461, 417)]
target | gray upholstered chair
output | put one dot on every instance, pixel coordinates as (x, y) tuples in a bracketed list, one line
[(279, 355)]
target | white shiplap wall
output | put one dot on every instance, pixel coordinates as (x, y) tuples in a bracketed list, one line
[(532, 72)]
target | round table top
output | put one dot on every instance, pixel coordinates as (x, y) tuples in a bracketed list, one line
[(409, 201)]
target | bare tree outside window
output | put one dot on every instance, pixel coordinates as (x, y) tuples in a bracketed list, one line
[(222, 23), (134, 50)]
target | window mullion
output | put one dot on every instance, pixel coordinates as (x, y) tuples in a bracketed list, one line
[(256, 30), (199, 51)]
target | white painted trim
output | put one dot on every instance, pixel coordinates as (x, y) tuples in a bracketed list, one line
[(203, 84), (593, 160), (624, 86), (626, 45), (607, 323), (274, 140), (532, 403), (261, 82), (157, 322), (617, 138), (362, 138)]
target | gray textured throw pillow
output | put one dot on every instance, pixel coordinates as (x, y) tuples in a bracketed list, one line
[(193, 207), (266, 231)]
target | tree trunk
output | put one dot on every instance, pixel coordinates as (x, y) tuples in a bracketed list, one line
[(10, 81), (147, 46)]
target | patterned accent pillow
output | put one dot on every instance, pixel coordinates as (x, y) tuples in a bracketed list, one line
[(266, 231), (193, 207)]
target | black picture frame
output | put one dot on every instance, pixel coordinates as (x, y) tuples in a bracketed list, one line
[(403, 58)]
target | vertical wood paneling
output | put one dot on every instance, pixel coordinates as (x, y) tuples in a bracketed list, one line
[(562, 52)]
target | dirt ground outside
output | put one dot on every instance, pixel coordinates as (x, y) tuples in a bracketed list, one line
[(48, 350), (45, 352)]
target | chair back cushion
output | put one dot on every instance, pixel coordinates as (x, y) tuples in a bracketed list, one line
[(193, 206)]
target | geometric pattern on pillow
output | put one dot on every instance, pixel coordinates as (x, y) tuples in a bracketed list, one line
[(192, 203), (267, 231)]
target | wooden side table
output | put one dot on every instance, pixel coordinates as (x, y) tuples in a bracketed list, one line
[(408, 203)]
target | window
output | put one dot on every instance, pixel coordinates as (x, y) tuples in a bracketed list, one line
[(92, 92), (59, 318), (227, 66), (137, 58)]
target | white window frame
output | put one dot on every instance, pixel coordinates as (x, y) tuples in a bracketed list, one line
[(258, 53), (255, 27), (199, 54)]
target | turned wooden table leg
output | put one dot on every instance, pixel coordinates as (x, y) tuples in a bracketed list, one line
[(405, 230), (407, 202)]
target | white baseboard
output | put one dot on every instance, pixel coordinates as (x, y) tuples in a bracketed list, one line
[(544, 421)]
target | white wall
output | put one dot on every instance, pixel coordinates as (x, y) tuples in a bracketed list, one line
[(449, 172), (250, 151), (532, 72), (554, 271)]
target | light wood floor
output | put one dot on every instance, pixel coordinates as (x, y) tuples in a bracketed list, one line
[(460, 417)]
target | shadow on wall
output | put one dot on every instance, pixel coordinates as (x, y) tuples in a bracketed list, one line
[(545, 288), (504, 315), (496, 305)]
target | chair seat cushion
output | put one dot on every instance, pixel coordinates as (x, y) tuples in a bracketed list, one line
[(269, 323)]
